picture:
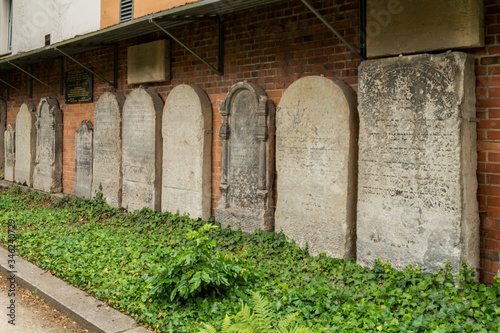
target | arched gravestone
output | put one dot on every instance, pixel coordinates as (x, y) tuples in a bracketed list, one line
[(142, 150), (247, 133), (316, 158), (417, 162), (107, 147), (25, 144), (83, 160), (47, 175), (187, 146), (3, 124), (10, 154)]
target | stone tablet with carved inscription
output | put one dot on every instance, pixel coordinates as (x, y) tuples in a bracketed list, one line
[(417, 162), (316, 157), (10, 153), (3, 124), (107, 148), (187, 147), (25, 144), (142, 150), (47, 175), (247, 133), (83, 160)]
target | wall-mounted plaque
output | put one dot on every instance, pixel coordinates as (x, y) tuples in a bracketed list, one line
[(79, 87)]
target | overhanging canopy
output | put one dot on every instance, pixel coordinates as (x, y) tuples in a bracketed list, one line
[(203, 9)]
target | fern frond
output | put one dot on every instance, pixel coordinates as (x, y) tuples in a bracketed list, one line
[(300, 330), (285, 322), (262, 314), (208, 329), (226, 324)]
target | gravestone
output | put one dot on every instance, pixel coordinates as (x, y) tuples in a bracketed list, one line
[(247, 133), (142, 150), (25, 144), (10, 153), (83, 160), (3, 124), (107, 148), (187, 147), (316, 155), (47, 175), (417, 162)]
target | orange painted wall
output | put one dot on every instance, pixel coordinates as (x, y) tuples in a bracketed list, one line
[(110, 13), (145, 7), (110, 9)]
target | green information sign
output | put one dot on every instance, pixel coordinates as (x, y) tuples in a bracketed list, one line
[(79, 87)]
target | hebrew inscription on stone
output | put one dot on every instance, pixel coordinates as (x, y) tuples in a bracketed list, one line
[(107, 148), (83, 160), (187, 143), (417, 161), (316, 157), (25, 144), (10, 152), (247, 133), (47, 175), (3, 124), (142, 150)]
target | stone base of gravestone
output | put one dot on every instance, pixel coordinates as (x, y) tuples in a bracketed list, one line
[(10, 153), (25, 144), (247, 221), (83, 160), (417, 188), (316, 159)]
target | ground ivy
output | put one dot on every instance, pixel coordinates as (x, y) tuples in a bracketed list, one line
[(113, 255)]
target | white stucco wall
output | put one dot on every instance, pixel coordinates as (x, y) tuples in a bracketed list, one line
[(4, 25), (62, 19)]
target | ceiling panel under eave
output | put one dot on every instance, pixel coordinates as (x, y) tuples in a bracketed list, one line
[(135, 28)]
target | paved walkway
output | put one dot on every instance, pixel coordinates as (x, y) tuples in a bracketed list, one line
[(30, 314), (87, 311)]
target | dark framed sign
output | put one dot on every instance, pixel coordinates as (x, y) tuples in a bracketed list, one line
[(79, 87)]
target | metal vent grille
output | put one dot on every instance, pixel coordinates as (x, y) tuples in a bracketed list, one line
[(126, 10)]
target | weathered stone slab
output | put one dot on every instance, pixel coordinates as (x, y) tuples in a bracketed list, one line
[(148, 62), (47, 175), (247, 133), (142, 150), (187, 147), (407, 26), (107, 147), (83, 160), (25, 144), (417, 162), (316, 158), (3, 124), (10, 152)]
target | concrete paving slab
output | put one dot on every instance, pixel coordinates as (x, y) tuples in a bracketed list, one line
[(74, 303)]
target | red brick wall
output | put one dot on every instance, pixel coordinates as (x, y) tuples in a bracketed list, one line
[(488, 135), (273, 46)]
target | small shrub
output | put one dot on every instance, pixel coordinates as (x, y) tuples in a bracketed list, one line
[(198, 269)]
